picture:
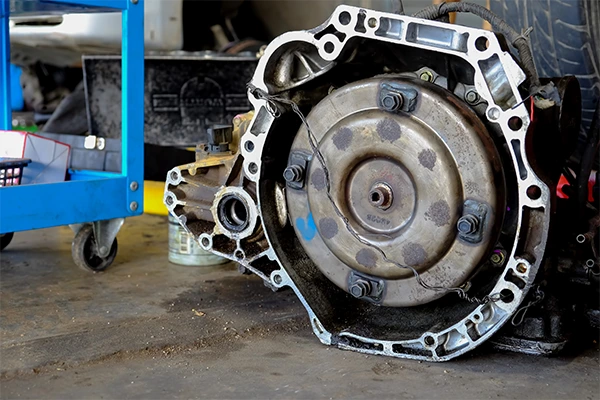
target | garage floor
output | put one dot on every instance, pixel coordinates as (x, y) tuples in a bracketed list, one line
[(150, 329)]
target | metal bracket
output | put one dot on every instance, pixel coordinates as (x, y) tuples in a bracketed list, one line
[(366, 287), (408, 97), (105, 233), (301, 160), (475, 214)]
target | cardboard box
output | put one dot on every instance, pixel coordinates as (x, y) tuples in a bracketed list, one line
[(49, 158)]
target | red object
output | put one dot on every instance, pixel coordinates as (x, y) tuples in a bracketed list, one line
[(563, 181)]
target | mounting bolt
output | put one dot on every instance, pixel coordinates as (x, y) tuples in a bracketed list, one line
[(134, 1), (426, 76), (521, 268), (133, 206), (133, 186), (293, 173), (360, 288), (467, 224), (497, 258), (471, 97)]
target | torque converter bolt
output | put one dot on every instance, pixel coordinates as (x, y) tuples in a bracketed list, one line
[(392, 101), (360, 289), (293, 173), (467, 224)]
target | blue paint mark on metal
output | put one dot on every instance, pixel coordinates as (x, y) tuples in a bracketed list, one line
[(91, 195), (307, 227)]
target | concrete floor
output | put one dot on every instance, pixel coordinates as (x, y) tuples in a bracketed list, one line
[(149, 329)]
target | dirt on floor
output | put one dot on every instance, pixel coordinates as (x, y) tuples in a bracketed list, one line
[(146, 328)]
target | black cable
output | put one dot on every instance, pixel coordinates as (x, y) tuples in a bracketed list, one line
[(518, 41)]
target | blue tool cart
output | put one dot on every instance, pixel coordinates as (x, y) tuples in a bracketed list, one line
[(93, 203)]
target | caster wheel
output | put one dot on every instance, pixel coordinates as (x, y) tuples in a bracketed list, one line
[(85, 254), (5, 239)]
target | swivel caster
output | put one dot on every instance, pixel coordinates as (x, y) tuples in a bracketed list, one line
[(5, 239), (86, 253)]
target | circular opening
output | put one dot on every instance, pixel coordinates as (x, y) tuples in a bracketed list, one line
[(507, 295), (205, 242), (580, 238), (515, 123), (476, 317), (277, 279), (590, 263), (375, 197), (493, 113), (482, 43), (233, 213), (429, 340), (534, 192), (169, 200), (521, 268), (174, 175), (329, 47), (253, 168), (239, 254), (345, 18), (249, 146), (372, 22)]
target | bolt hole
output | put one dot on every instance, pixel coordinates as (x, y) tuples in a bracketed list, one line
[(493, 113), (239, 254), (277, 279), (429, 340), (507, 295), (345, 18), (169, 200), (253, 168), (476, 317), (515, 123), (534, 192), (174, 175), (372, 22), (205, 242), (482, 43), (329, 47), (521, 268), (249, 146), (375, 197)]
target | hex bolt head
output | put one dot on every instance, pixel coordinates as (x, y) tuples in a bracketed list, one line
[(392, 101), (426, 76), (467, 224), (497, 258), (293, 173), (471, 96), (360, 288)]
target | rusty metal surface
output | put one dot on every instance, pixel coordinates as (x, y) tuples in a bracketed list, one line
[(362, 44), (433, 159)]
